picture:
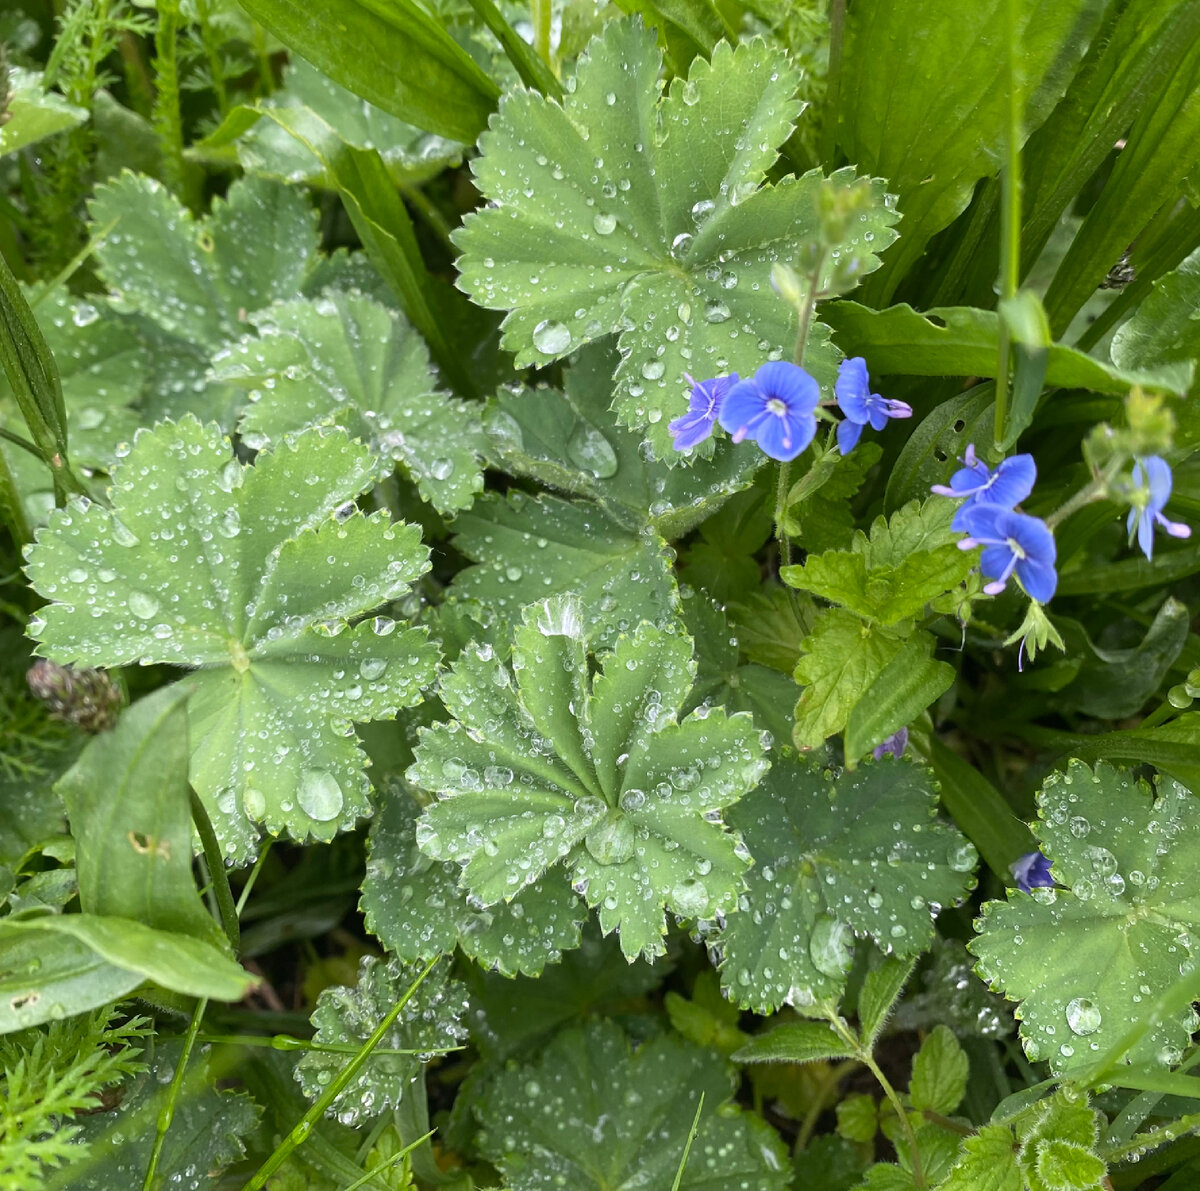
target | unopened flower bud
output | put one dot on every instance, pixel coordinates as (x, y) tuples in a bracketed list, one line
[(88, 699)]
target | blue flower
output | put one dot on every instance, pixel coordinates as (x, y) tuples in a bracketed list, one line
[(1032, 871), (860, 405), (1152, 478), (894, 745), (1012, 542), (1007, 486), (775, 407), (703, 406)]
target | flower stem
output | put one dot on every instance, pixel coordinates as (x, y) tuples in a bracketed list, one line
[(167, 1113), (781, 495), (539, 12), (1096, 490), (806, 310), (1010, 221)]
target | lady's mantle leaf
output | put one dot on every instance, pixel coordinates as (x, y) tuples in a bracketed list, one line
[(1119, 933), (525, 550), (207, 564), (543, 767), (860, 856), (592, 1114), (198, 279), (347, 360), (417, 909), (431, 1020), (623, 210)]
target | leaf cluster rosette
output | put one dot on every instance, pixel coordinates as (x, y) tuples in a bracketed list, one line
[(543, 767), (205, 563)]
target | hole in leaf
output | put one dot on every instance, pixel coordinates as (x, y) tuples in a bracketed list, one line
[(24, 1001)]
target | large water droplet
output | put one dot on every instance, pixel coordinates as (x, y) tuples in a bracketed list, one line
[(254, 803), (319, 795), (142, 605), (612, 841), (831, 947), (372, 668), (591, 451), (716, 312), (962, 857), (1082, 1016), (689, 899), (604, 223), (551, 338)]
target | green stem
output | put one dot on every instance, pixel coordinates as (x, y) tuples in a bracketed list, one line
[(216, 871), (395, 1160), (23, 443), (864, 1056), (434, 219), (304, 1126), (213, 53), (781, 506), (687, 1145), (918, 1171), (810, 304), (168, 122), (808, 1126), (540, 13), (167, 1115), (244, 896), (287, 1042), (1098, 489), (1010, 222), (833, 82), (11, 508)]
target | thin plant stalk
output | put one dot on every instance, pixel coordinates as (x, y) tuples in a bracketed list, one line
[(304, 1126), (167, 1113), (1010, 223)]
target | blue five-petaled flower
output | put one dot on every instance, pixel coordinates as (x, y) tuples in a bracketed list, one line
[(1032, 871), (1011, 542), (1152, 483), (776, 407), (704, 404), (1007, 486), (860, 405)]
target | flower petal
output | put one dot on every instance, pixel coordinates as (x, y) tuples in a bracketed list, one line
[(1038, 578), (852, 389), (783, 438), (1012, 481), (790, 384), (744, 402), (848, 434)]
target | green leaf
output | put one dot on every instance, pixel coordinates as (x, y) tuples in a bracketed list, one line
[(909, 683), (795, 1042), (1162, 149), (208, 1132), (908, 561), (430, 1021), (411, 154), (620, 210), (1057, 1139), (843, 657), (594, 1114), (571, 440), (198, 280), (939, 1074), (527, 549), (346, 360), (827, 867), (980, 811), (358, 44), (858, 1118), (1163, 329), (1118, 931), (819, 511), (988, 1163), (178, 962), (511, 1015), (1115, 683), (722, 680), (925, 103), (34, 113), (599, 777), (127, 799), (244, 593), (45, 977), (417, 910), (881, 987), (962, 341)]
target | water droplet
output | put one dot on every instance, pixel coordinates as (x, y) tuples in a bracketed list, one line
[(716, 312), (653, 369), (591, 451), (604, 224), (831, 947), (142, 605), (372, 668), (1082, 1016), (551, 338), (612, 841), (441, 469), (319, 795), (254, 803), (689, 898), (962, 857)]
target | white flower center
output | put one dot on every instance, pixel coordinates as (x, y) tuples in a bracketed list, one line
[(777, 407)]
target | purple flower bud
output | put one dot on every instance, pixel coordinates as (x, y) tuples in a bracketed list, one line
[(1032, 871), (894, 745), (861, 407)]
